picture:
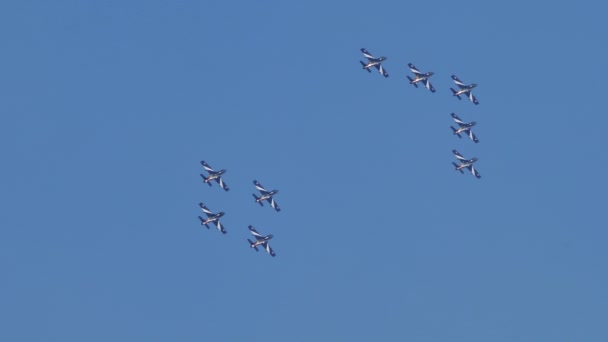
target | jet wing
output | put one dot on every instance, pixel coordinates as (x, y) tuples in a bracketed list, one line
[(381, 70), (260, 187), (273, 204), (472, 136), (220, 181), (472, 98), (207, 167), (428, 85), (255, 233), (458, 82), (473, 171), (219, 226), (268, 249), (414, 69), (457, 120), (459, 156), (368, 55), (205, 210)]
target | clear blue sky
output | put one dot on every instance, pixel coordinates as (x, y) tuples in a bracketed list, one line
[(107, 107)]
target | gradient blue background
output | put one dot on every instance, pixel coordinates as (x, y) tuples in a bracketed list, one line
[(107, 107)]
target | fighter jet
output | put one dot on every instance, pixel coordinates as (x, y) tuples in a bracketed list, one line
[(217, 175), (468, 163), (421, 77), (212, 218), (265, 195), (260, 241), (373, 62), (464, 89), (464, 128)]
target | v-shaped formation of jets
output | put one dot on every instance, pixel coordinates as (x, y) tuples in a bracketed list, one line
[(214, 175), (265, 195), (423, 78), (214, 218), (373, 62), (260, 240)]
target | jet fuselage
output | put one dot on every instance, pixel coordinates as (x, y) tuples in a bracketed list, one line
[(267, 196), (261, 241)]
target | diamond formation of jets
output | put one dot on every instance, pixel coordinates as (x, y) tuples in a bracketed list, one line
[(260, 240), (468, 163), (214, 175), (211, 218), (373, 62), (420, 77), (464, 89), (464, 128), (265, 195)]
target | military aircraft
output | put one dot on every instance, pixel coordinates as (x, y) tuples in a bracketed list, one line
[(265, 195), (217, 175), (468, 163), (373, 62), (464, 128), (212, 218), (260, 241), (464, 89), (420, 77)]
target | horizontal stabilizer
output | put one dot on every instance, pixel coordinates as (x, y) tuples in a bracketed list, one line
[(454, 91), (456, 166), (257, 199), (412, 81), (252, 246), (454, 129), (365, 66), (203, 222)]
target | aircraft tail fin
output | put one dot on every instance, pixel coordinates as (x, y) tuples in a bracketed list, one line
[(365, 66), (456, 167), (252, 246), (454, 91), (412, 81), (257, 199), (454, 129)]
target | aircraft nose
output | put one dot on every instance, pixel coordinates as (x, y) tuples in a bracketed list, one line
[(431, 73), (473, 123), (270, 236)]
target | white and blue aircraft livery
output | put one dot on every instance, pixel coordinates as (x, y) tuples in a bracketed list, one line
[(260, 241), (421, 77), (217, 175), (265, 195), (468, 163), (464, 128), (373, 62), (464, 89), (211, 218)]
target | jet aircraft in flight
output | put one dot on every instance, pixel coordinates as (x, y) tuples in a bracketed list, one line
[(464, 89), (217, 175), (260, 241), (211, 218), (420, 77), (464, 128), (468, 163), (265, 195), (373, 62)]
